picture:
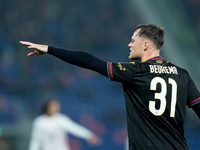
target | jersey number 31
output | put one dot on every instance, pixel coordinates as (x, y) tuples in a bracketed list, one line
[(162, 96)]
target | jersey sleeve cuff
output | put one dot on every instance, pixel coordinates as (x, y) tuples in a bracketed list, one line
[(50, 49), (194, 102), (109, 70)]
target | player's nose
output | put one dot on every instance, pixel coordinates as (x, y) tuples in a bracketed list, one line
[(130, 44)]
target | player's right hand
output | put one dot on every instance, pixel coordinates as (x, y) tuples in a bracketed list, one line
[(39, 49), (94, 140)]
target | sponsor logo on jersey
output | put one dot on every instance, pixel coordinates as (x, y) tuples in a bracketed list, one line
[(163, 69), (121, 67)]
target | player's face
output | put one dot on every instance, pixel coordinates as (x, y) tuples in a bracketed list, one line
[(136, 46), (53, 108)]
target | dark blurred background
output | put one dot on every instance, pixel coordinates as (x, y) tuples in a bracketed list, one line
[(102, 28)]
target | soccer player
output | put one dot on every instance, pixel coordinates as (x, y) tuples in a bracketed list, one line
[(156, 91), (50, 130)]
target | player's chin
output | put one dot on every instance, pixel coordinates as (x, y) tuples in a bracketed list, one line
[(130, 57)]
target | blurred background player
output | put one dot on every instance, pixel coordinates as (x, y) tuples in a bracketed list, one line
[(126, 144), (51, 128)]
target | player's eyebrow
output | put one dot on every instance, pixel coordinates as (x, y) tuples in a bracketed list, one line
[(132, 38)]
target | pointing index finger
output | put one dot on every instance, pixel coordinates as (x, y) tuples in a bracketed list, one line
[(25, 43)]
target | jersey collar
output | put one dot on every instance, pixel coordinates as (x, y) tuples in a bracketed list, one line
[(157, 60)]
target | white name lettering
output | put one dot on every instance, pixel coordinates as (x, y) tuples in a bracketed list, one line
[(163, 69)]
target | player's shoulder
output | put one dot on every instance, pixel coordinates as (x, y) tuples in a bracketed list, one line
[(38, 120), (62, 116), (131, 67), (123, 65), (128, 63), (180, 69)]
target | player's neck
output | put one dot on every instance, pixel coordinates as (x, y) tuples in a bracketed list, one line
[(150, 55), (50, 114)]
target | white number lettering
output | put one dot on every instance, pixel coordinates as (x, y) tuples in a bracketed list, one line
[(173, 96), (162, 96)]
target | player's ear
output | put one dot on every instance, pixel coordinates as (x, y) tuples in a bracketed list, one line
[(146, 45)]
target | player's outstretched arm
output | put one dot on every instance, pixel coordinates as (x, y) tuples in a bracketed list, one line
[(39, 49), (78, 58)]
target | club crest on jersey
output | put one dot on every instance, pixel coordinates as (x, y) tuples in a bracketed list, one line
[(159, 61), (163, 69)]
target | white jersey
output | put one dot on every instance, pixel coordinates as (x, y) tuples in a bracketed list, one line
[(50, 133)]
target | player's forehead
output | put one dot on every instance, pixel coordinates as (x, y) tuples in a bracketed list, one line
[(135, 34), (54, 103)]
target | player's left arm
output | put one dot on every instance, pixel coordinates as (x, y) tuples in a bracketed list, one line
[(80, 131), (193, 96), (81, 59), (196, 109)]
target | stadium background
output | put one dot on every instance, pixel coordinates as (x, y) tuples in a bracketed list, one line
[(100, 27)]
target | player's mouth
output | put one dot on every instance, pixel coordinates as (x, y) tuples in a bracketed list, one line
[(130, 51)]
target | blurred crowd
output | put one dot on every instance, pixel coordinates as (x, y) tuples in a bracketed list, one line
[(101, 27), (192, 7)]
